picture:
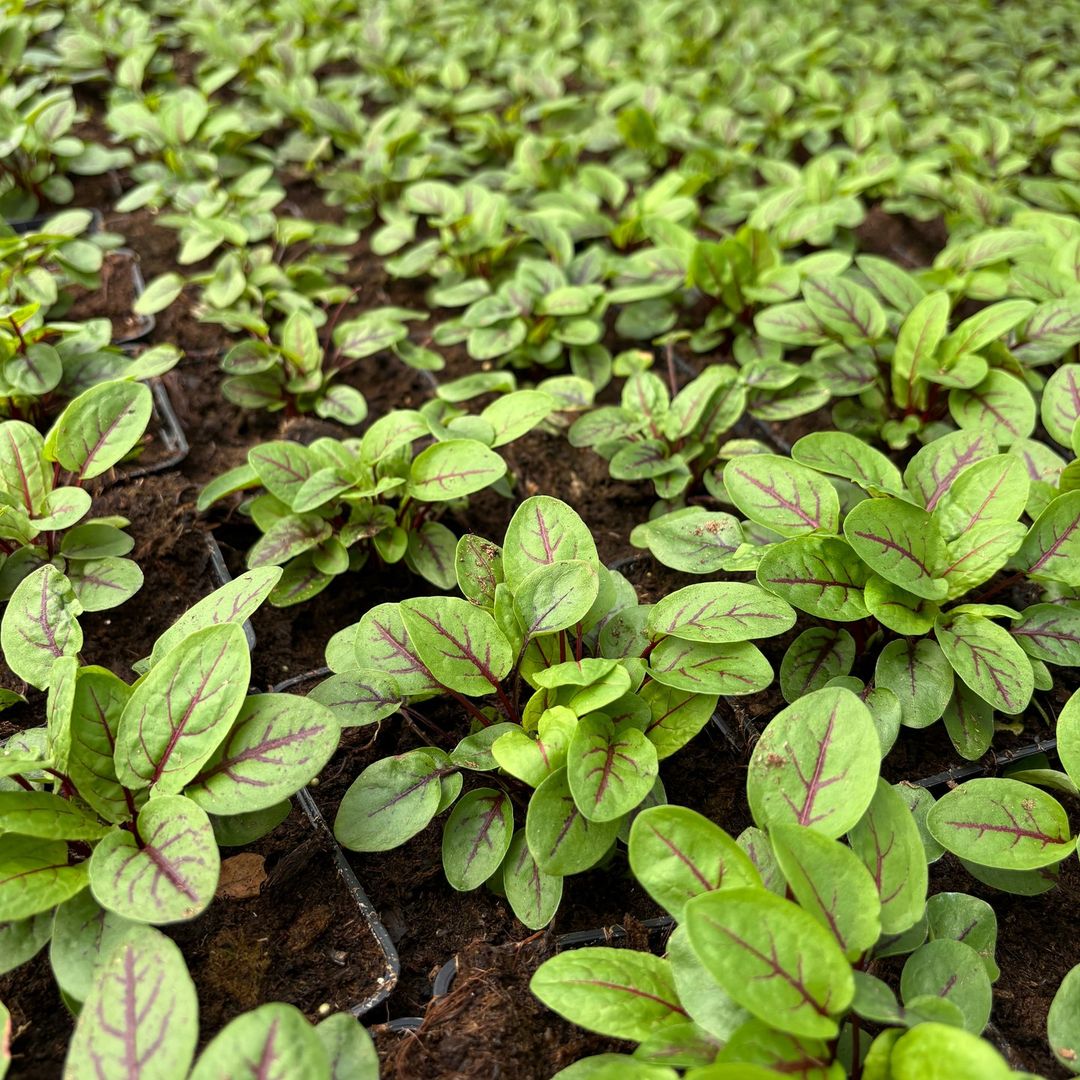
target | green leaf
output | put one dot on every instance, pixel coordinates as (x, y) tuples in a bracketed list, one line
[(21, 940), (533, 895), (920, 335), (1068, 733), (389, 802), (886, 839), (813, 659), (676, 853), (531, 759), (978, 554), (272, 1040), (234, 602), (830, 883), (543, 531), (1050, 632), (34, 371), (693, 540), (23, 473), (1001, 406), (932, 1051), (677, 716), (64, 507), (994, 490), (815, 764), (1051, 550), (817, 574), (182, 710), (1063, 1021), (979, 330), (40, 625), (140, 1017), (791, 324), (47, 816), (556, 597), (609, 770), (454, 468), (478, 568), (282, 468), (989, 661), (721, 612), (1060, 407), (919, 674), (773, 958), (1002, 824), (382, 643), (358, 697), (430, 553), (847, 308), (349, 1048), (615, 992), (160, 293), (729, 669), (83, 935), (933, 470), (950, 971), (276, 745), (100, 427), (459, 643), (476, 837), (35, 876), (960, 917), (100, 584), (901, 543), (169, 874), (840, 454), (969, 720), (782, 495), (517, 413), (562, 840)]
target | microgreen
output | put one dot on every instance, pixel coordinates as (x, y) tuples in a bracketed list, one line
[(908, 564), (109, 811), (139, 1016), (774, 962), (329, 507), (574, 694), (44, 501)]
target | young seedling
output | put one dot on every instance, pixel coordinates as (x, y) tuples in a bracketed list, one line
[(44, 501), (139, 1017), (329, 507), (110, 812), (774, 963), (574, 694)]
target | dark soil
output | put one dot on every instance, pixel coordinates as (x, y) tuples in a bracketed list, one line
[(114, 298), (489, 1026)]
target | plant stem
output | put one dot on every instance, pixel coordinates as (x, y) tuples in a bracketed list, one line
[(468, 706)]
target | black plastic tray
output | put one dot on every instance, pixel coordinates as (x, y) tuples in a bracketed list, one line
[(146, 323), (391, 964)]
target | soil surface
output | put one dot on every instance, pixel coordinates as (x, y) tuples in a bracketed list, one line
[(121, 285), (297, 936), (287, 943)]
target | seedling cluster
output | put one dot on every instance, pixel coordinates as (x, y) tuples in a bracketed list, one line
[(612, 394)]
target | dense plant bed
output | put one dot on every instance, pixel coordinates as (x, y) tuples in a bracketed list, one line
[(641, 443)]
